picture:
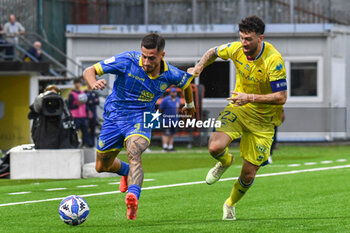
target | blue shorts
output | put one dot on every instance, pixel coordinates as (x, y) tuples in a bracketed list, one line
[(114, 133)]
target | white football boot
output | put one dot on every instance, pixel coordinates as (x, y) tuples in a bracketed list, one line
[(216, 172), (228, 212)]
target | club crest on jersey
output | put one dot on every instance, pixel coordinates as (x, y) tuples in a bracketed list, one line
[(247, 67), (163, 86)]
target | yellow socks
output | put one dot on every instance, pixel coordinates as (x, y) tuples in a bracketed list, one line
[(239, 189), (225, 158)]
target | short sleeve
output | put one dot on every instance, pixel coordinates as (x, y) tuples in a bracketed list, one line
[(277, 74), (113, 65), (181, 78), (226, 51)]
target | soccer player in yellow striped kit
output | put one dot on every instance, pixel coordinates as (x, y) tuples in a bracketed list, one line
[(255, 106)]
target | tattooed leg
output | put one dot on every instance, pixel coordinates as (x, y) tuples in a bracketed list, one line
[(107, 162), (135, 146)]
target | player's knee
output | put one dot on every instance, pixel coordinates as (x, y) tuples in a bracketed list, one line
[(215, 148), (99, 168), (247, 177)]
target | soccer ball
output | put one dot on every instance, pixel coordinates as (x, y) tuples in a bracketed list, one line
[(73, 210), (83, 98)]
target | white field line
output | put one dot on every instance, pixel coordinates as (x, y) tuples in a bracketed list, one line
[(341, 160), (184, 184), (87, 186), (18, 193), (309, 163), (55, 189)]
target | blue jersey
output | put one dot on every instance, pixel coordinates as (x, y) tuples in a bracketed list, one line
[(170, 107), (135, 91)]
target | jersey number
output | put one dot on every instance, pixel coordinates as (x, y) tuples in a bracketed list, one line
[(227, 115)]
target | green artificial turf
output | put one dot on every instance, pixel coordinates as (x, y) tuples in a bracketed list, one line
[(313, 201)]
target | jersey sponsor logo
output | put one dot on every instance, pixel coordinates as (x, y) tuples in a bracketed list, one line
[(146, 96), (136, 77), (250, 78), (109, 60), (241, 63), (279, 67)]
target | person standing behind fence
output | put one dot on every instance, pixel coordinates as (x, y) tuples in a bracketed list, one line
[(13, 30), (91, 105), (77, 104), (170, 107)]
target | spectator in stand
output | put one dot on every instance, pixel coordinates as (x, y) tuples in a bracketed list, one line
[(77, 104), (169, 107), (2, 39), (91, 105), (34, 51), (13, 30)]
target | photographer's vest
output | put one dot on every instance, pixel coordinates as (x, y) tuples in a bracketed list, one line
[(79, 112)]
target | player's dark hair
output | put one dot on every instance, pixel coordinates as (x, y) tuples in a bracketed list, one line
[(152, 41), (252, 24)]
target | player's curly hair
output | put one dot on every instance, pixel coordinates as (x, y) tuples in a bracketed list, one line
[(252, 24), (152, 41)]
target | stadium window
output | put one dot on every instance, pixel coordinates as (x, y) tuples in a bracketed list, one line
[(216, 79), (303, 79)]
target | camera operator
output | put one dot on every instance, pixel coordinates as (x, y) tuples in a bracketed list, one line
[(53, 126)]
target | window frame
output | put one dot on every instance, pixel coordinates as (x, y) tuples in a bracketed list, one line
[(319, 79)]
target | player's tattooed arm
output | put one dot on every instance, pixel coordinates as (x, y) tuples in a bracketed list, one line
[(135, 146), (208, 58)]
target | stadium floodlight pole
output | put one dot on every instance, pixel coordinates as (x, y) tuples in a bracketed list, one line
[(146, 14), (291, 8)]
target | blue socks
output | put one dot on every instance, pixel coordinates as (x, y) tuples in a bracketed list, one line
[(135, 189), (124, 169)]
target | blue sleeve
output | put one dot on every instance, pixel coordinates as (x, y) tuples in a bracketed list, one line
[(114, 65), (181, 78)]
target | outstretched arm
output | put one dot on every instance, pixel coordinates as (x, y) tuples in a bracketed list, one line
[(208, 58), (90, 77)]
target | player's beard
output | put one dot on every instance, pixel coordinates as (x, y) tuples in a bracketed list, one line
[(251, 51)]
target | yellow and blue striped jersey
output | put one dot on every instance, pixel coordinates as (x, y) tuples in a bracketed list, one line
[(266, 74), (135, 91)]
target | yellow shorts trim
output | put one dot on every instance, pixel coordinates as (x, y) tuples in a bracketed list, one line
[(105, 151), (136, 134)]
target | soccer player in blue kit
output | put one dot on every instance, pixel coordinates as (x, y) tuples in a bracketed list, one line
[(141, 79)]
